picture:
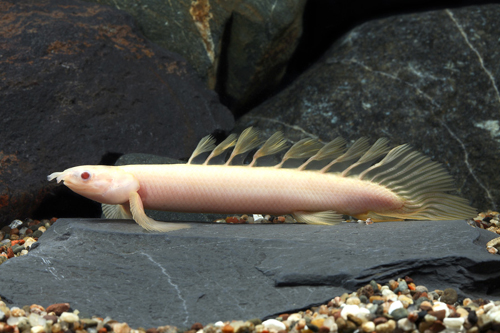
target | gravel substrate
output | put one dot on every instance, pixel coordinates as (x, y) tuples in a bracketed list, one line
[(398, 306)]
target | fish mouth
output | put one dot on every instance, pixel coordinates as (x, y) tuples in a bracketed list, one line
[(57, 175)]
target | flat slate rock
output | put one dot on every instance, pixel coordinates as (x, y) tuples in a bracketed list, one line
[(217, 272)]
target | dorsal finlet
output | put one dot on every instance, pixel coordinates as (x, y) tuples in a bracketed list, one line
[(379, 148), (330, 151), (223, 146), (355, 151), (248, 140), (273, 145), (207, 143), (304, 148)]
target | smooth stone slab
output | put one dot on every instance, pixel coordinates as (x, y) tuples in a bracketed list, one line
[(217, 272)]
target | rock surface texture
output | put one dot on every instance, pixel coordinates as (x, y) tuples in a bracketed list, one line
[(240, 47), (223, 272), (430, 79), (79, 81)]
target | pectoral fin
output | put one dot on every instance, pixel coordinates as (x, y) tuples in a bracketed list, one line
[(328, 217), (120, 212), (137, 210)]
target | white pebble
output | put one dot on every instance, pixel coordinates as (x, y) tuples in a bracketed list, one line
[(12, 321), (406, 325), (488, 307), (395, 305), (364, 314), (441, 306), (219, 324), (69, 317), (36, 320), (294, 317), (454, 323), (273, 323), (349, 309), (368, 326), (37, 329), (330, 323)]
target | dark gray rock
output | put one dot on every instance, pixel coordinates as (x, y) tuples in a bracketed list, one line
[(240, 47), (223, 272), (78, 82), (428, 79)]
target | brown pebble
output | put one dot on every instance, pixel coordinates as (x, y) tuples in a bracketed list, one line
[(196, 326), (393, 284), (14, 231), (152, 330), (354, 319), (424, 326), (350, 326), (376, 298), (437, 326), (10, 253), (366, 291), (323, 329), (284, 316), (7, 328), (426, 306), (35, 308), (413, 317), (408, 279), (440, 315), (340, 323), (323, 309), (50, 317), (380, 320), (227, 329), (232, 219), (449, 296), (58, 308), (416, 295)]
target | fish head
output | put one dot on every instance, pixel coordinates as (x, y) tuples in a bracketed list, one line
[(104, 184)]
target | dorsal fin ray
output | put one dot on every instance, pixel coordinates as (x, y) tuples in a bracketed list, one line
[(304, 148), (354, 152), (206, 144), (379, 148), (273, 145), (222, 147), (248, 140), (330, 151)]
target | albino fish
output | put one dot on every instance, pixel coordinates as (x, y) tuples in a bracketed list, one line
[(374, 182)]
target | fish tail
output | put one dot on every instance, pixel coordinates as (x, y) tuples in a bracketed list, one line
[(421, 184)]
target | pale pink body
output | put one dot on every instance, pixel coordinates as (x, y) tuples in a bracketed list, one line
[(241, 189)]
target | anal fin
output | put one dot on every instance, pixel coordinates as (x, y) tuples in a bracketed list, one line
[(137, 210), (119, 212), (328, 217)]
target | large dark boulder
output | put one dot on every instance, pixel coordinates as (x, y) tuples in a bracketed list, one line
[(428, 79), (78, 81), (239, 47), (214, 272)]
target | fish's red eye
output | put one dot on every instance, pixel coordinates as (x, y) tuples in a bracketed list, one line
[(85, 175)]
